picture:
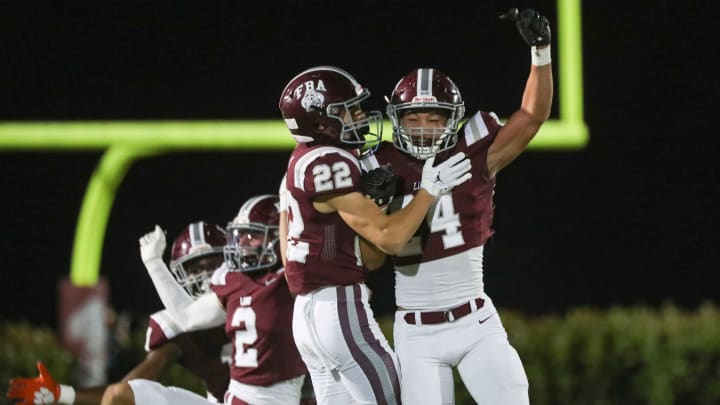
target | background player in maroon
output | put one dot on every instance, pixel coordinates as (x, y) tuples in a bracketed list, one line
[(252, 299), (196, 253), (444, 316), (334, 328)]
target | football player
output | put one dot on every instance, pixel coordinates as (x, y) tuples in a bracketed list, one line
[(196, 253), (444, 317), (251, 298), (372, 257), (347, 355)]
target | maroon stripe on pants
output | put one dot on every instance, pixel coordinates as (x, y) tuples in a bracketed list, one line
[(357, 354), (376, 346)]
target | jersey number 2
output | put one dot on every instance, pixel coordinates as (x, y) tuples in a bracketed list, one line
[(245, 357)]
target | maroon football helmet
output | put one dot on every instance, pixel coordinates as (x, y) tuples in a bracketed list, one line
[(322, 104), (425, 89), (195, 254), (254, 234)]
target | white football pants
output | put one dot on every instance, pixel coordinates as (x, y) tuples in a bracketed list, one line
[(149, 392), (348, 357), (489, 366)]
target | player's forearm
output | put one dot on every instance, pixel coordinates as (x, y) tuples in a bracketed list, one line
[(155, 363), (172, 295), (192, 315), (89, 396), (205, 312), (80, 396), (538, 95), (403, 224), (372, 257)]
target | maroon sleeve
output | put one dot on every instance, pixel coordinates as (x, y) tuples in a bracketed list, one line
[(161, 329), (328, 171), (480, 130)]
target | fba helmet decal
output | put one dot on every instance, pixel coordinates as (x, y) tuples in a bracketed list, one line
[(313, 96)]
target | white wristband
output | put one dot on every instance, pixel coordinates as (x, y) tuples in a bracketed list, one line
[(67, 395), (540, 57)]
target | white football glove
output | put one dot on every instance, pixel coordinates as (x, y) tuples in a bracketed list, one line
[(152, 245), (448, 174)]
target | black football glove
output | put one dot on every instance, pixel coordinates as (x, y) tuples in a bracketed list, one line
[(533, 27), (379, 185)]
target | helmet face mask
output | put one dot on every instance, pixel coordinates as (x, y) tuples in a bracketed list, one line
[(425, 91), (194, 275), (195, 255), (359, 129), (253, 236), (251, 247), (323, 105)]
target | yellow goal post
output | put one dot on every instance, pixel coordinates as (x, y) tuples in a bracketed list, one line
[(126, 141)]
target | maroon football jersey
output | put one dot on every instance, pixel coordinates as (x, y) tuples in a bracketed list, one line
[(322, 249), (461, 219), (259, 324), (202, 350)]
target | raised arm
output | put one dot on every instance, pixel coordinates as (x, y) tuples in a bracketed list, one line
[(536, 103), (190, 314)]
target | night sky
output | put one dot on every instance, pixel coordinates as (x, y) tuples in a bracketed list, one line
[(631, 219)]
